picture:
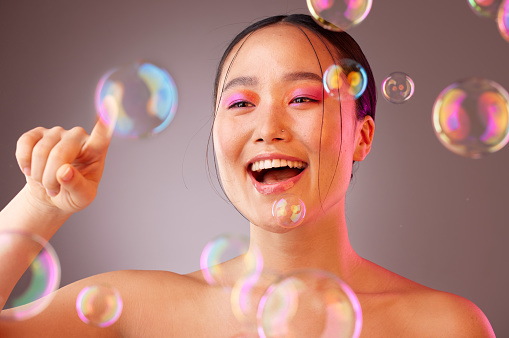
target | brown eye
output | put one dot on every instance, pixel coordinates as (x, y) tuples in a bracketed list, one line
[(241, 104), (303, 100)]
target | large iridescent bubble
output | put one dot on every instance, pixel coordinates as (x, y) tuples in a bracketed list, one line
[(471, 117), (224, 248), (503, 20), (309, 303), (485, 8), (35, 289), (338, 15), (140, 98)]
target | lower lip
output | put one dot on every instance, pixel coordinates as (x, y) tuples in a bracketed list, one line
[(275, 188)]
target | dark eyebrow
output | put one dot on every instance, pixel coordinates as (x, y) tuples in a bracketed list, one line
[(241, 81), (249, 81), (302, 76)]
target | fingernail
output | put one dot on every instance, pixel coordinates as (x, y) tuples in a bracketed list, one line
[(26, 171), (52, 193), (68, 174)]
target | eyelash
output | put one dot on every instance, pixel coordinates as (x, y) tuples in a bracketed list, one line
[(236, 104), (245, 103)]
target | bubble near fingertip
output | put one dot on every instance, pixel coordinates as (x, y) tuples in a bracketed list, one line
[(138, 99), (34, 291), (99, 305), (471, 117), (289, 211)]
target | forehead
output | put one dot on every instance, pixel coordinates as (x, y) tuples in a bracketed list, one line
[(277, 49)]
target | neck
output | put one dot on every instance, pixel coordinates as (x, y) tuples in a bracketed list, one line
[(321, 244)]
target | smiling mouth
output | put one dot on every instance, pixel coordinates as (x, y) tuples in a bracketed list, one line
[(276, 171)]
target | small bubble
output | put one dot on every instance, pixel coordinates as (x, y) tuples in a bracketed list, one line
[(398, 87), (99, 305), (289, 211)]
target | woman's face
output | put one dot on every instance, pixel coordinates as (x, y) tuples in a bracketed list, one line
[(273, 113)]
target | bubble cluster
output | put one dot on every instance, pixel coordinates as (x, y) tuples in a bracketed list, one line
[(139, 98), (485, 8), (224, 248), (99, 305), (503, 20), (34, 290), (338, 15), (346, 80), (309, 303), (289, 211), (471, 117), (398, 87)]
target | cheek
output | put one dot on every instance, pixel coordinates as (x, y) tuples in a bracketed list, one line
[(228, 143)]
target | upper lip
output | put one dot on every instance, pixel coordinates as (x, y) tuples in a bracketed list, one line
[(272, 156)]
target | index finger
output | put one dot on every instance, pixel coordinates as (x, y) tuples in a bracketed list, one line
[(100, 136)]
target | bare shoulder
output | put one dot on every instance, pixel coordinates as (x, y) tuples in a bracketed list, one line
[(400, 307), (438, 313), (151, 302)]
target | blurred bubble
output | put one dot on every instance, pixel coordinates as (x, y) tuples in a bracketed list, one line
[(503, 20), (471, 117), (289, 211), (338, 15), (140, 98), (398, 87), (246, 295), (34, 290), (224, 248), (485, 8), (309, 303), (348, 72), (99, 305)]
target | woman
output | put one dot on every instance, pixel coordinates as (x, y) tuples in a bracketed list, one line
[(271, 109)]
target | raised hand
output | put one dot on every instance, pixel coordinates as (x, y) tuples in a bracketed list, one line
[(63, 167)]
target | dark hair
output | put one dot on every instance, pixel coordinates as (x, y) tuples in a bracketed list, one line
[(344, 44), (345, 48)]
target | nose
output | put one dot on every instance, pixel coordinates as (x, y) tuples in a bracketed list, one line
[(271, 126)]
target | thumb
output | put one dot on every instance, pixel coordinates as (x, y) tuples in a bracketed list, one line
[(80, 190)]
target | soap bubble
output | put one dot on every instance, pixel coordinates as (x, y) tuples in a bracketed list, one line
[(224, 248), (246, 295), (338, 15), (398, 87), (471, 117), (34, 290), (485, 8), (503, 20), (289, 211), (350, 72), (309, 303), (99, 305), (140, 98)]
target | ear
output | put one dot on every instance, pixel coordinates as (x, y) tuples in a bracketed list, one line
[(364, 132)]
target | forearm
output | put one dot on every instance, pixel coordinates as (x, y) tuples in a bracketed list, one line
[(23, 215)]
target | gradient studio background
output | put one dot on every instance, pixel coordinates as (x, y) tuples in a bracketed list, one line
[(414, 207)]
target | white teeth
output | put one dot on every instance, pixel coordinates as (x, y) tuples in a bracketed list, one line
[(276, 163)]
